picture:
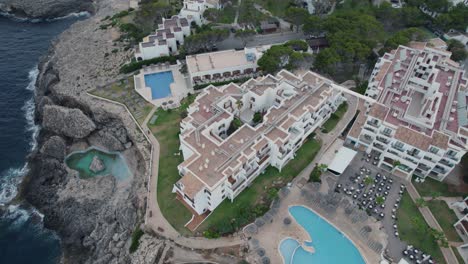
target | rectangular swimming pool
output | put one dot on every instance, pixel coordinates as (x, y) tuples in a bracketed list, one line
[(159, 83)]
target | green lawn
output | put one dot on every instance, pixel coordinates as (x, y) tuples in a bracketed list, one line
[(429, 186), (413, 229), (276, 7), (229, 216), (331, 123), (446, 218), (166, 130)]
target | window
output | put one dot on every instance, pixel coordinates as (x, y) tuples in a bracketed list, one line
[(398, 145), (387, 131), (224, 196), (433, 150), (209, 203)]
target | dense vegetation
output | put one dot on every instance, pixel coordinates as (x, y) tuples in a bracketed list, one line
[(136, 65), (285, 56)]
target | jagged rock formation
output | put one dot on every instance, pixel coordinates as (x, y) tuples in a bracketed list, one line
[(44, 8), (96, 165), (54, 147), (67, 122)]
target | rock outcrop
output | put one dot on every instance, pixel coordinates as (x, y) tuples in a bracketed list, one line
[(54, 147), (67, 122), (97, 165), (45, 9)]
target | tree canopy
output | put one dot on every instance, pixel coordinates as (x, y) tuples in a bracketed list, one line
[(283, 56), (458, 50)]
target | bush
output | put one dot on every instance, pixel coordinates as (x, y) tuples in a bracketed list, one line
[(315, 175), (211, 234), (136, 235), (272, 193), (136, 65), (257, 118)]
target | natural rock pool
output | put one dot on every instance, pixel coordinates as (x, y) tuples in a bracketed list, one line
[(108, 163)]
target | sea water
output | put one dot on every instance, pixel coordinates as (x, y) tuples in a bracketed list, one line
[(22, 236)]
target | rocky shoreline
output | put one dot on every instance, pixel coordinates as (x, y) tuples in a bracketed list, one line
[(93, 217), (44, 9)]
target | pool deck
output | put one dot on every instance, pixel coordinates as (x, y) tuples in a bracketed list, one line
[(273, 233), (179, 88)]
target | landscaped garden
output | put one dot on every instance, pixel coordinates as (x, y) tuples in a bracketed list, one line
[(331, 123), (431, 186), (413, 229), (166, 130), (123, 92), (228, 216), (255, 200), (446, 218)]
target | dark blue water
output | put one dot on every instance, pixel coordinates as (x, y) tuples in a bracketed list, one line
[(22, 238)]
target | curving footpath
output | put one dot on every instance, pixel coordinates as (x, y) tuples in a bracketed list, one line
[(154, 218)]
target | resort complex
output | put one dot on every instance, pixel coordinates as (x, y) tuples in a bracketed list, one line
[(232, 133), (171, 33), (419, 124)]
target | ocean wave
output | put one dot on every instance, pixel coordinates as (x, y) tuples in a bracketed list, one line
[(9, 181), (38, 20), (11, 178), (29, 109)]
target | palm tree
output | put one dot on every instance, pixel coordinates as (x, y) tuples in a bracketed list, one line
[(239, 105)]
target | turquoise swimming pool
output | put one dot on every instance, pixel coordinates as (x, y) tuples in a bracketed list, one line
[(331, 246), (159, 83)]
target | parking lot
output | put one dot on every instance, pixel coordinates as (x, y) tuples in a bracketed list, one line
[(378, 193)]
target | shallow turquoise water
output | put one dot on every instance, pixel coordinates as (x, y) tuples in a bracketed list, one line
[(160, 84), (115, 164), (331, 246)]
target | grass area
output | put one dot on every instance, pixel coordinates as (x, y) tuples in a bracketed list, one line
[(166, 130), (225, 15), (430, 186), (413, 229), (446, 218), (123, 92), (262, 190), (249, 14), (276, 7), (331, 123)]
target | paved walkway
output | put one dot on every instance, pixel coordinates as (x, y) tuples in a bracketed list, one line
[(154, 218), (448, 253)]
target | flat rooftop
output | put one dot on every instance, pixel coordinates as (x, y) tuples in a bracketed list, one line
[(217, 60)]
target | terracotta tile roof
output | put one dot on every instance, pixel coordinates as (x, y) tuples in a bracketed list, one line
[(440, 140), (378, 111), (191, 184), (412, 137)]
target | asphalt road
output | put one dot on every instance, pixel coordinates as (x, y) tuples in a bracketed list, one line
[(267, 39)]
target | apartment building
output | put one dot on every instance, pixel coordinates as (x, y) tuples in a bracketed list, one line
[(419, 123), (193, 10), (224, 65), (220, 162), (165, 41)]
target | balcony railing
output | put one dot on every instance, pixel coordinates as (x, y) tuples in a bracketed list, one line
[(446, 163), (373, 124), (439, 170), (379, 146)]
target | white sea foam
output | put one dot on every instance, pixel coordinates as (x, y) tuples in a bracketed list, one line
[(10, 178), (37, 20)]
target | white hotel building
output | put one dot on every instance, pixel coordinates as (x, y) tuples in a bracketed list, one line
[(165, 41), (224, 65), (218, 166), (419, 125), (193, 10)]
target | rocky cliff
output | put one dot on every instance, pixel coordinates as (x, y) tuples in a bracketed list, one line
[(45, 9), (94, 217)]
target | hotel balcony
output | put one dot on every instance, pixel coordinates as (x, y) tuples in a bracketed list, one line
[(383, 140), (439, 170), (366, 139), (423, 167), (369, 129), (452, 158), (398, 148), (379, 146), (446, 163), (373, 124)]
